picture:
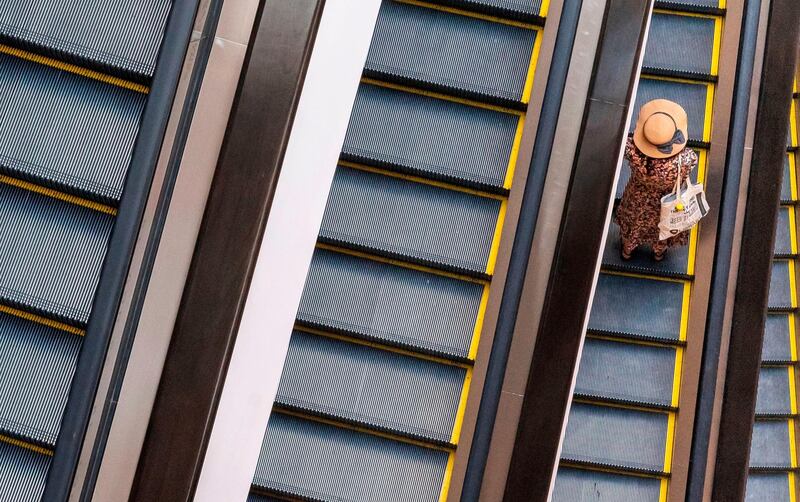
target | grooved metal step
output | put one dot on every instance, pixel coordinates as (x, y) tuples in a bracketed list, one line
[(400, 394), (578, 485), (773, 392), (411, 221), (36, 368), (23, 473), (780, 291), (120, 35), (674, 264), (326, 463), (765, 486), (769, 449), (396, 305), (53, 252), (783, 234), (524, 10), (672, 38), (457, 54), (776, 346), (416, 134), (65, 131)]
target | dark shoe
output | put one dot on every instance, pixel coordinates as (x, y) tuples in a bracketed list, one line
[(625, 256), (659, 256)]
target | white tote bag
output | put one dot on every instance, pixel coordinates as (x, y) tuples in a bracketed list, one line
[(681, 209)]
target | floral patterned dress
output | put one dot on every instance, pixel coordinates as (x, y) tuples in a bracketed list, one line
[(639, 211)]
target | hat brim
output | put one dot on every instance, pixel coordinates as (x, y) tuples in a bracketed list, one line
[(672, 109)]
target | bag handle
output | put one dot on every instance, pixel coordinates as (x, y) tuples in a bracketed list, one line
[(678, 199)]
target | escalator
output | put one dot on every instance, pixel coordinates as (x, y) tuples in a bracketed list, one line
[(621, 428), (374, 387), (773, 453), (74, 78)]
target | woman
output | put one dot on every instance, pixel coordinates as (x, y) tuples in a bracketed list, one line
[(656, 153)]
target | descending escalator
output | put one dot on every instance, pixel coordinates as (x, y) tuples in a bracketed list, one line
[(621, 427), (374, 387), (73, 81), (773, 450)]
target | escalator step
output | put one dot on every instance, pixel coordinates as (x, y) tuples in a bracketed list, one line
[(401, 394), (766, 486), (674, 264), (780, 293), (679, 46), (23, 474), (637, 307), (36, 368), (65, 131), (616, 438), (770, 445), (416, 134), (776, 345), (410, 221), (786, 184), (450, 52), (783, 234), (53, 253), (117, 34), (577, 485), (396, 305), (626, 372), (689, 95), (773, 392), (512, 9), (702, 5), (255, 497), (322, 462)]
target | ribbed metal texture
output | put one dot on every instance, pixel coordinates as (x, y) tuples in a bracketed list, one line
[(783, 235), (786, 183), (690, 3), (637, 307), (459, 54), (392, 304), (692, 97), (373, 387), (121, 34), (261, 498), (768, 487), (776, 345), (615, 437), (22, 474), (522, 8), (36, 368), (328, 463), (627, 372), (770, 445), (773, 392), (573, 485), (66, 131), (430, 137), (412, 221), (780, 294), (52, 253), (680, 45), (674, 264)]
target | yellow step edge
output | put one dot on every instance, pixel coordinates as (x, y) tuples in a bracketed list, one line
[(24, 444), (469, 13), (55, 194), (607, 470), (71, 68), (401, 263), (362, 430), (448, 475), (632, 341), (632, 407), (685, 13), (41, 320), (635, 275), (462, 408)]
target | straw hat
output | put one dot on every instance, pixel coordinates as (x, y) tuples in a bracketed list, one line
[(661, 129)]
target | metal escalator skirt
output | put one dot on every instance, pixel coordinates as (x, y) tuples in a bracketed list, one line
[(396, 305), (692, 97), (763, 487), (430, 137), (115, 33), (36, 368), (633, 373), (780, 292), (411, 221), (770, 445), (23, 474), (459, 53), (773, 392), (52, 253), (680, 44), (65, 131), (616, 437), (402, 394), (323, 462), (574, 485), (637, 307), (777, 346)]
